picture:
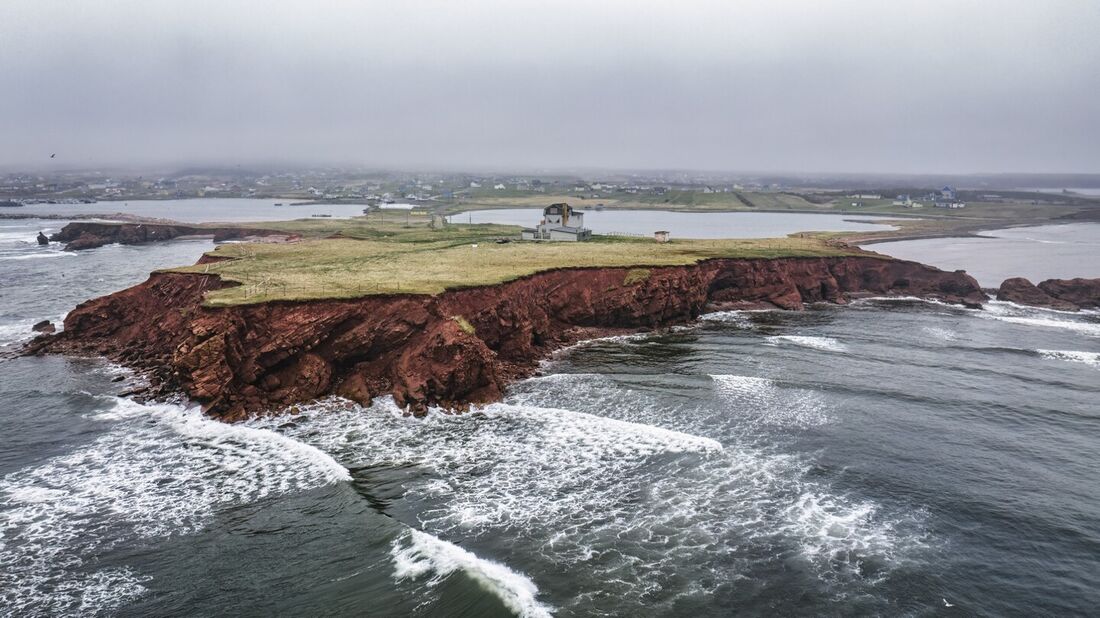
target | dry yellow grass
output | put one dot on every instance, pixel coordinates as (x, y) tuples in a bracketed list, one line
[(424, 261)]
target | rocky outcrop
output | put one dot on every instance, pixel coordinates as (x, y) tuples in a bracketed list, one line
[(1061, 294), (1023, 292), (453, 349), (89, 235), (1085, 293), (45, 326), (42, 239)]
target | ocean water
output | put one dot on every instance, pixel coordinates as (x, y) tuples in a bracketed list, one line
[(874, 459)]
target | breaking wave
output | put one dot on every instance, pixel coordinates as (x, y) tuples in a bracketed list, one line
[(1089, 358), (1029, 316), (158, 470), (628, 504), (418, 554), (739, 319), (37, 256), (15, 332), (827, 344)]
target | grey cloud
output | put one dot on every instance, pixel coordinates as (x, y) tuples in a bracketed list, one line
[(853, 86)]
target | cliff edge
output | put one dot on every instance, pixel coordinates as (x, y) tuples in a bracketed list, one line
[(450, 349)]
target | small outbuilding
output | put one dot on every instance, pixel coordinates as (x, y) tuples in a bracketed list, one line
[(661, 236)]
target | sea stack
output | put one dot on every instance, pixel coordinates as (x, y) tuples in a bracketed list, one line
[(43, 240)]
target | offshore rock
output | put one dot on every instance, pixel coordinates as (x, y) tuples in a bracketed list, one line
[(1023, 292), (1085, 293), (45, 326), (1061, 294), (454, 349)]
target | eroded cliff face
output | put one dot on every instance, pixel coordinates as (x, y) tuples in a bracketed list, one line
[(451, 350)]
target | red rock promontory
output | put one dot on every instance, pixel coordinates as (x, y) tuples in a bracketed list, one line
[(452, 349), (89, 234), (1061, 294)]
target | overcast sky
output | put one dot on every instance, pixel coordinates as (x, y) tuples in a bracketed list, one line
[(860, 86)]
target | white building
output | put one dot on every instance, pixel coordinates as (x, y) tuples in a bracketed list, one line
[(559, 222)]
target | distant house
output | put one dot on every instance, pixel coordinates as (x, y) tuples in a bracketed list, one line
[(948, 194), (903, 200), (559, 222), (498, 187), (661, 236)]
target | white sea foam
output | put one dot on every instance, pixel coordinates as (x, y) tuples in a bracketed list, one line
[(418, 554), (626, 503), (845, 534), (158, 470), (14, 332), (1028, 316), (1004, 306), (37, 255), (1089, 358), (740, 319), (827, 344), (771, 404), (528, 441), (902, 299), (943, 334), (629, 338), (23, 236), (17, 331)]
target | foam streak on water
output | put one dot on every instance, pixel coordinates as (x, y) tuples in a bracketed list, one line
[(771, 404), (158, 470), (1091, 359), (1043, 318), (827, 344)]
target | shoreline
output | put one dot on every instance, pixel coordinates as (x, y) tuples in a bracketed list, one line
[(452, 349)]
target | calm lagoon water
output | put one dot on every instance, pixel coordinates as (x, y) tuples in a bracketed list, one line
[(686, 224), (1038, 253)]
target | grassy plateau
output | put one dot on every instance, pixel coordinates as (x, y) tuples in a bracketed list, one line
[(349, 259)]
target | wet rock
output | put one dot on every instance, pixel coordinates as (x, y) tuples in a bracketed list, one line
[(43, 240), (1084, 293), (1061, 294), (45, 326)]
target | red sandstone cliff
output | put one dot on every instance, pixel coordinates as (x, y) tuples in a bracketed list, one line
[(456, 348)]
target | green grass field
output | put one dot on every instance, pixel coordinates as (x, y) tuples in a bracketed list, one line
[(371, 259)]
